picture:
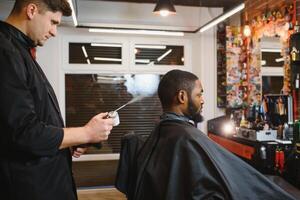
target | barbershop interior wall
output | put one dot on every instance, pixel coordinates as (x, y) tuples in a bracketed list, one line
[(203, 59)]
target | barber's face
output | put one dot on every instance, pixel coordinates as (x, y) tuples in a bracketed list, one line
[(195, 103), (43, 25)]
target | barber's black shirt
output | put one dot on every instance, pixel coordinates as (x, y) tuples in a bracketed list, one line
[(31, 165)]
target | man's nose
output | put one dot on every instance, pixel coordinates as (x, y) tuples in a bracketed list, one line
[(53, 31), (202, 100)]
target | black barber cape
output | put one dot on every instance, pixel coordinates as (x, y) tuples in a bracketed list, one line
[(31, 165), (179, 162)]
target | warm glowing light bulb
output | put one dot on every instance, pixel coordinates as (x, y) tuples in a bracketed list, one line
[(136, 51), (247, 31), (228, 128), (164, 13)]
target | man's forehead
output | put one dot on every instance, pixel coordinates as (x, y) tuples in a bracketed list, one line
[(198, 84), (55, 16)]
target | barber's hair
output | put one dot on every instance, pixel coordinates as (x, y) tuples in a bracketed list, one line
[(172, 82), (45, 5)]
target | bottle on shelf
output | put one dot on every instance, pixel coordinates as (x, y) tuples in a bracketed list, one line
[(244, 123), (297, 81), (296, 27), (294, 54)]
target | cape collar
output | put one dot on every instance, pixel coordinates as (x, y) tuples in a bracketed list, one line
[(170, 116)]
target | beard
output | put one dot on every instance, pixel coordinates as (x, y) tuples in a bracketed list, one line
[(194, 112)]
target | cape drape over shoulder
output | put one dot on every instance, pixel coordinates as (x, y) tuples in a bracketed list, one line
[(179, 162)]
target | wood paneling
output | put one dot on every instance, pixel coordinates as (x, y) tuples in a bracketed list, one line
[(100, 194), (95, 173)]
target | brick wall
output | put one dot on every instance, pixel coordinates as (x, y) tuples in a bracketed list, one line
[(257, 7)]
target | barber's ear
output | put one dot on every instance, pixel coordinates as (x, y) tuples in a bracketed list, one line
[(182, 96), (31, 10)]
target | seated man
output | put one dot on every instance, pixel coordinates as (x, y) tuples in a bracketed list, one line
[(179, 162)]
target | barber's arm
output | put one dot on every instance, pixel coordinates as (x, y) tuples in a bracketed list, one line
[(22, 129), (96, 130)]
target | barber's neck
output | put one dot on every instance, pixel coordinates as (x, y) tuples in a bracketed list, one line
[(17, 22)]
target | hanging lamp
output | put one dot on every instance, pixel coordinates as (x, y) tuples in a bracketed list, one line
[(164, 8)]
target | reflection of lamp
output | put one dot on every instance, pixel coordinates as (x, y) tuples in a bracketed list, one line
[(164, 8), (279, 59), (247, 30), (111, 79), (108, 59), (164, 55)]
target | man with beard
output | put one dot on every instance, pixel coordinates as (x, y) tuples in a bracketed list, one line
[(179, 162)]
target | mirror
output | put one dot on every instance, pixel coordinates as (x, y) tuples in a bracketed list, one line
[(272, 63)]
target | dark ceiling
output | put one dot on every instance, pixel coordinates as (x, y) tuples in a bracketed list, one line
[(203, 3)]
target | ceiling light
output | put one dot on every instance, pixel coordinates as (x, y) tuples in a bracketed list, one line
[(221, 18), (105, 45), (108, 59), (73, 13), (164, 55), (164, 8), (144, 46), (139, 32)]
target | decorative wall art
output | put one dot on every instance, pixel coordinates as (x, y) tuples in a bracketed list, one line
[(243, 56)]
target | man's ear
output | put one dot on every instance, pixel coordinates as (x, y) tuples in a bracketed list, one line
[(31, 10), (182, 96)]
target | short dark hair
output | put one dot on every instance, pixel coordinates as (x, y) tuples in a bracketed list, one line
[(172, 82), (49, 5)]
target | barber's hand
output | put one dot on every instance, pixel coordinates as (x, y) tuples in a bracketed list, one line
[(98, 128), (78, 151)]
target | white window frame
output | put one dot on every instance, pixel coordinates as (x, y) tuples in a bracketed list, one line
[(127, 66), (161, 69), (112, 68)]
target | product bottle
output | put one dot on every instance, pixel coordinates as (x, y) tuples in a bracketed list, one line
[(297, 81), (296, 131)]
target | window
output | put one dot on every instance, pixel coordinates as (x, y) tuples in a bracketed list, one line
[(158, 54), (95, 53), (90, 94), (94, 80), (90, 86)]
